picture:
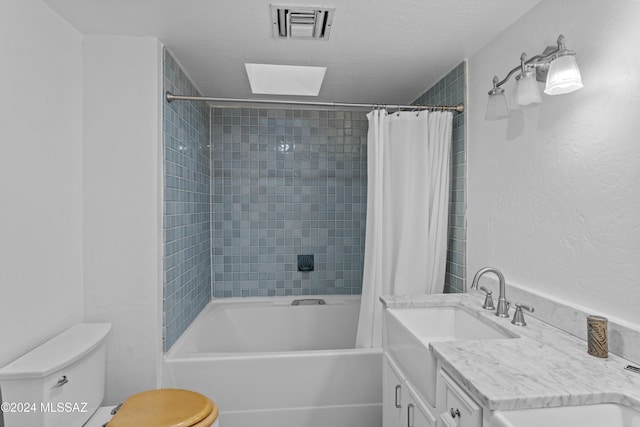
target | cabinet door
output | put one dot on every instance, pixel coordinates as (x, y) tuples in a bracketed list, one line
[(456, 407), (392, 393), (416, 413)]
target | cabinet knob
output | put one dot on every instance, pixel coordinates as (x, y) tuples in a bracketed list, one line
[(454, 412)]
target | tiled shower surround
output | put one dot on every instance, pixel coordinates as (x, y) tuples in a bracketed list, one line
[(187, 207), (275, 184), (287, 182), (450, 90)]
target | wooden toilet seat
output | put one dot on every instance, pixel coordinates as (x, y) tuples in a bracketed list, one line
[(167, 407)]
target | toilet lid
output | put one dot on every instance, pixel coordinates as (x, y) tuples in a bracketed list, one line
[(168, 407)]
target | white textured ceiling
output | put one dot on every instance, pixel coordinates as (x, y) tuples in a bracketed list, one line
[(382, 51)]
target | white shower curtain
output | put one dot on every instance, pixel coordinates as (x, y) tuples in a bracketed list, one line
[(407, 211)]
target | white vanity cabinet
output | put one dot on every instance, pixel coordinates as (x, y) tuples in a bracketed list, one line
[(392, 390), (402, 406), (454, 406), (417, 391)]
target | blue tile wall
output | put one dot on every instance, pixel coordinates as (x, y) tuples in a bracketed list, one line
[(287, 182), (275, 183), (451, 90), (187, 207)]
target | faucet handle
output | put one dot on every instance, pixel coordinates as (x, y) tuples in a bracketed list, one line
[(488, 301), (518, 316)]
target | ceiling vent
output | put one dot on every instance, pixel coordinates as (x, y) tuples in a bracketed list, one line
[(299, 22)]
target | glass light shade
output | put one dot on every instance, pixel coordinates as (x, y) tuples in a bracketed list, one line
[(497, 107), (564, 76), (527, 90)]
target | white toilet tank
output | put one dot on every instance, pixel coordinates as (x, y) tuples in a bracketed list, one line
[(59, 383)]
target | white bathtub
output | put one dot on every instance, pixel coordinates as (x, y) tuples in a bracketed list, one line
[(268, 363)]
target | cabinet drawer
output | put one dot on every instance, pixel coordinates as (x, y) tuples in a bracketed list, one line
[(458, 408)]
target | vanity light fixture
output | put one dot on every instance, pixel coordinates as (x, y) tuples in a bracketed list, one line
[(497, 107), (556, 66)]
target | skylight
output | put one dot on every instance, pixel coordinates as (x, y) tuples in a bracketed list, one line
[(285, 79)]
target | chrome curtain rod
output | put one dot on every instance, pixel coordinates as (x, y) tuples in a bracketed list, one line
[(171, 97)]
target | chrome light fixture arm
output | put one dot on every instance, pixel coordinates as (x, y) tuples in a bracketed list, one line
[(496, 86), (521, 68), (541, 60)]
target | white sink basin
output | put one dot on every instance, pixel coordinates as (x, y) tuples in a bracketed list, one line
[(601, 415), (448, 323), (410, 330)]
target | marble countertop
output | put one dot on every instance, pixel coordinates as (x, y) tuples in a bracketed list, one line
[(544, 367)]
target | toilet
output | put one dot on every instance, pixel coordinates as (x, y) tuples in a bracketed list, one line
[(61, 384)]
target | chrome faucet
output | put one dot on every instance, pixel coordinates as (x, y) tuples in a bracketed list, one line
[(503, 305)]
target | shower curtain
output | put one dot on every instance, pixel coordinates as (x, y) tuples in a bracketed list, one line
[(407, 211)]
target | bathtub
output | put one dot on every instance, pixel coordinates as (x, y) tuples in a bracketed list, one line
[(266, 362)]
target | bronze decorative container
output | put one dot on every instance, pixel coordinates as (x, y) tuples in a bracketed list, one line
[(597, 340)]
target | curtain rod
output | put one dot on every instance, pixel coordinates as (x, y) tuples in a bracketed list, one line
[(457, 108)]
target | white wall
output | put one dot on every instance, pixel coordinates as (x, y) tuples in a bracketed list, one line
[(40, 176), (554, 192), (80, 183), (122, 205)]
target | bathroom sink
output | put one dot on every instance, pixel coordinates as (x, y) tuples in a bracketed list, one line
[(410, 330), (448, 323), (605, 414)]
